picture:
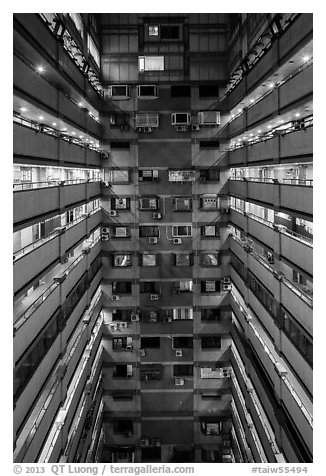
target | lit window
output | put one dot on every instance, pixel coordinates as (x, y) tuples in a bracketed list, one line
[(121, 261), (92, 48), (148, 259), (77, 19), (151, 63), (119, 176), (209, 259), (153, 30)]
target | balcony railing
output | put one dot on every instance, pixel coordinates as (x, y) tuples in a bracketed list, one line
[(262, 341), (34, 306), (287, 181), (36, 244)]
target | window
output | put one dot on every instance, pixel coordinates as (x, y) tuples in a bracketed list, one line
[(122, 260), (151, 63), (212, 314), (182, 176), (181, 230), (118, 176), (211, 342), (148, 259), (150, 287), (148, 203), (208, 202), (148, 231), (183, 314), (120, 203), (169, 32), (183, 259), (182, 286), (183, 204), (118, 120), (121, 315), (148, 175), (92, 48), (209, 175), (122, 371), (208, 90), (209, 259), (153, 30), (121, 287), (120, 232), (265, 297), (150, 343), (183, 370), (122, 343), (209, 287), (180, 90), (298, 337), (78, 21), (210, 231), (182, 342)]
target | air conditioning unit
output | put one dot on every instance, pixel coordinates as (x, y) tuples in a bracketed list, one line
[(178, 353), (177, 241), (224, 210), (141, 352), (105, 230), (226, 287), (123, 325), (152, 240), (168, 319), (181, 128), (119, 92), (124, 128), (280, 369), (105, 237), (195, 127), (157, 216), (249, 421), (224, 372), (179, 382), (226, 280), (209, 118), (145, 91), (155, 297), (129, 371), (113, 213), (202, 179), (134, 317), (128, 348), (115, 297)]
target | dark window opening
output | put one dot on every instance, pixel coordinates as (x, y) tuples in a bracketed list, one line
[(169, 32), (183, 370), (183, 342), (150, 343), (211, 342), (120, 145)]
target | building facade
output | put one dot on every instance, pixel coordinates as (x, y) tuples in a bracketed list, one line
[(163, 237)]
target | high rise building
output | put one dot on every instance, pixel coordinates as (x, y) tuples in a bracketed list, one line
[(163, 237)]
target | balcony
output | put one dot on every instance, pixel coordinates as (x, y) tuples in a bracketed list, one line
[(288, 195), (30, 143)]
